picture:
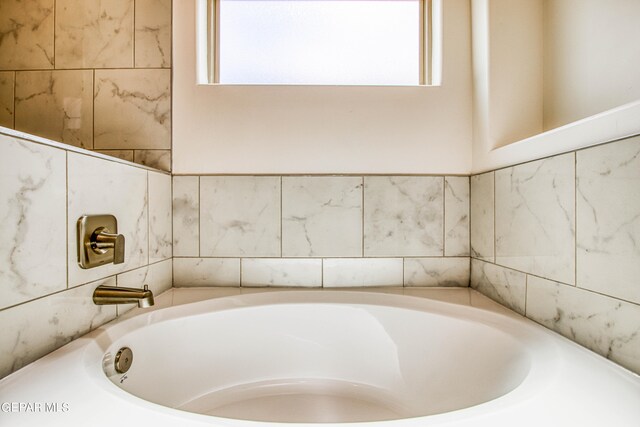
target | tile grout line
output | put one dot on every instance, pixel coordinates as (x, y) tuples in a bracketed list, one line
[(66, 196), (444, 216), (362, 186), (575, 219), (199, 216)]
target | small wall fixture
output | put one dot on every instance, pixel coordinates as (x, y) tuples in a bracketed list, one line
[(98, 241)]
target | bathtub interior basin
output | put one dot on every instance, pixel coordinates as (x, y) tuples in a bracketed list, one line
[(326, 358)]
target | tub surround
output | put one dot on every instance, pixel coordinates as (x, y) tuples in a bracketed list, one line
[(91, 74), (321, 230), (563, 249), (45, 296)]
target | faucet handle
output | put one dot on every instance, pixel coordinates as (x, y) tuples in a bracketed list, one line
[(105, 240)]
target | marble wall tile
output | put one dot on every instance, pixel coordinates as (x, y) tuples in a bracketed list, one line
[(240, 216), (26, 34), (322, 216), (160, 233), (186, 216), (456, 216), (120, 154), (153, 33), (608, 218), (482, 216), (194, 272), (508, 287), (132, 109), (264, 272), (41, 326), (56, 104), (450, 271), (403, 216), (33, 212), (535, 218), (159, 159), (352, 272), (98, 186), (94, 34), (7, 83), (605, 325), (158, 276)]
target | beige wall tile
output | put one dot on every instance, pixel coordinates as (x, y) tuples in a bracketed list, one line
[(159, 159), (7, 83), (153, 33), (94, 34), (26, 34), (120, 154), (56, 105), (132, 109)]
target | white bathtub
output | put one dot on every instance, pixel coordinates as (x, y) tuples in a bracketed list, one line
[(325, 356)]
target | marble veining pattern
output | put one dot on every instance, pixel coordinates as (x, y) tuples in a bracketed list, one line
[(357, 272), (94, 34), (456, 216), (43, 325), (160, 234), (449, 271), (605, 325), (7, 82), (158, 159), (120, 154), (482, 216), (281, 272), (608, 217), (97, 187), (186, 216), (321, 216), (32, 214), (26, 34), (240, 216), (153, 33), (189, 272), (508, 287), (403, 216), (132, 109), (535, 218), (56, 104)]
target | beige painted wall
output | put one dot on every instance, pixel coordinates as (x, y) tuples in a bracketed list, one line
[(591, 57), (298, 129)]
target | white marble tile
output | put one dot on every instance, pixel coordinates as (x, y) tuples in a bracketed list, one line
[(456, 216), (153, 33), (508, 287), (132, 109), (352, 272), (98, 186), (482, 216), (7, 83), (194, 272), (403, 216), (186, 216), (449, 271), (33, 213), (26, 34), (239, 216), (94, 34), (608, 218), (160, 234), (322, 216), (535, 218), (56, 104), (41, 326), (606, 325), (159, 159), (158, 276), (263, 272)]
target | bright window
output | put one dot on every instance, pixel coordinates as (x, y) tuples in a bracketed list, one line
[(320, 42)]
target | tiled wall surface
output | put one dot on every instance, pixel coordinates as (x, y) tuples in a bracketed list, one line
[(321, 231), (90, 73), (558, 240), (45, 296)]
